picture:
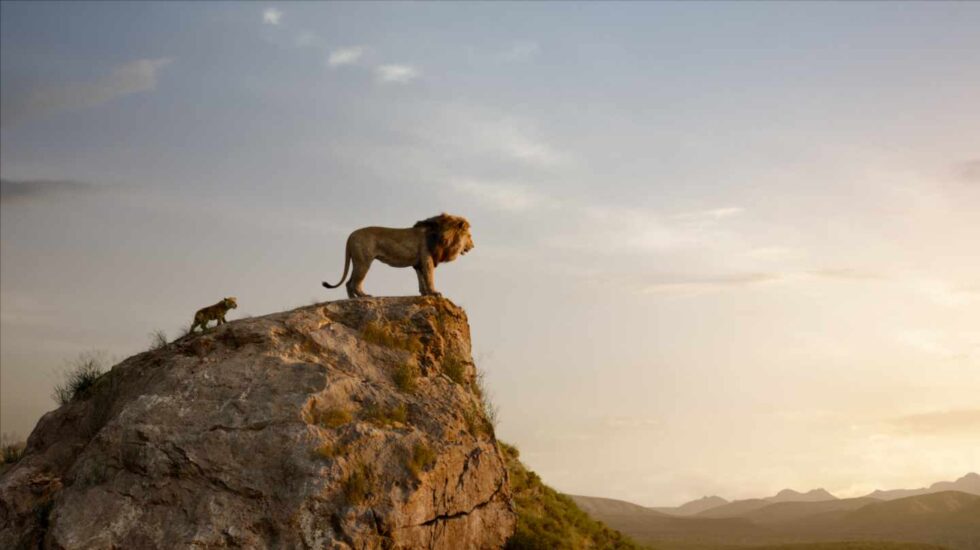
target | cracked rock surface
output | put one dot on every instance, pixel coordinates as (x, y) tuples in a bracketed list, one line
[(301, 429)]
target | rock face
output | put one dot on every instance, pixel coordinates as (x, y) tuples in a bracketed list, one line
[(350, 424)]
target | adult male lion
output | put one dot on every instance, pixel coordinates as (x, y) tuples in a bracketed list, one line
[(423, 246)]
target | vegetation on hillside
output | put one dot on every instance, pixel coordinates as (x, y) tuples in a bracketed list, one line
[(549, 520), (11, 449), (80, 376)]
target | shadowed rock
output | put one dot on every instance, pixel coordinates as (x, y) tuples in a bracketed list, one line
[(329, 426)]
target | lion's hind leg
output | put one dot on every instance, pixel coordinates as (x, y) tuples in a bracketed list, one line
[(355, 288)]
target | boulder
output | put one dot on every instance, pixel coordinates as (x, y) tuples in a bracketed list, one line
[(348, 424)]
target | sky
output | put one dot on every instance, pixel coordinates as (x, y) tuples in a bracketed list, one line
[(721, 248)]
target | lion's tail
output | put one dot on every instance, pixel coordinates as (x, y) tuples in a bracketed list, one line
[(346, 267)]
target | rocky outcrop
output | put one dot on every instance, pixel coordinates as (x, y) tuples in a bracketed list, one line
[(350, 424)]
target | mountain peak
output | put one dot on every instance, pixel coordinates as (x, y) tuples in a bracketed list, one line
[(789, 495)]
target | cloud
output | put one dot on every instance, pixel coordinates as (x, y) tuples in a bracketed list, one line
[(962, 421), (521, 50), (846, 274), (19, 191), (345, 56), (271, 16), (400, 74), (944, 293), (129, 78), (712, 214), (774, 253), (699, 285), (969, 171), (307, 39), (503, 196)]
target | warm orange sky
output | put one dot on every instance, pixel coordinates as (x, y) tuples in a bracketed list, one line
[(721, 248)]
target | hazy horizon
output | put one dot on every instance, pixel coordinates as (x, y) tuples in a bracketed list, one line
[(721, 248)]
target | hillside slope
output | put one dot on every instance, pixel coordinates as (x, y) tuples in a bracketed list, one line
[(350, 424), (548, 520)]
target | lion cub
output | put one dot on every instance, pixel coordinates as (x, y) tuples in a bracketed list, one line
[(213, 313)]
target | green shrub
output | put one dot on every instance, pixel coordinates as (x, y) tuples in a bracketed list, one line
[(357, 486), (421, 459), (79, 377)]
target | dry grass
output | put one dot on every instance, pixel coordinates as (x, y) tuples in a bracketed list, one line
[(386, 416), (476, 425), (327, 451), (406, 377), (333, 417), (384, 334), (80, 376), (158, 340), (421, 459), (486, 400), (357, 486), (10, 450), (455, 368)]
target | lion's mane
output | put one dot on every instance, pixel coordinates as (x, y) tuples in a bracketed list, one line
[(445, 236)]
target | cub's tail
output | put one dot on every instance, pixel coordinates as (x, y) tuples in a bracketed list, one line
[(346, 267)]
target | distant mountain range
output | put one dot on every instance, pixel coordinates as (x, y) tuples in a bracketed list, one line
[(720, 507), (945, 514), (970, 483)]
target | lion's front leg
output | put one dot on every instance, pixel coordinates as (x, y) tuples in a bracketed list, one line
[(421, 276), (426, 273)]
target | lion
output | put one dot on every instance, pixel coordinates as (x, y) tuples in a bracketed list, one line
[(213, 313), (423, 246)]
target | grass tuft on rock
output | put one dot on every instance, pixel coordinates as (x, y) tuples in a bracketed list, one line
[(386, 417), (333, 417), (406, 377), (422, 458), (357, 486), (387, 335), (80, 376), (455, 368)]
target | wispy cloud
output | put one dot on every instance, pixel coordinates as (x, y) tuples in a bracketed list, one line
[(398, 74), (696, 285), (271, 16), (129, 78), (711, 214), (345, 56), (969, 171), (846, 274), (944, 293), (503, 196), (20, 191), (962, 421), (307, 39), (521, 50)]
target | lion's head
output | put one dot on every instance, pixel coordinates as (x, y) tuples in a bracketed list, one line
[(230, 303), (447, 236)]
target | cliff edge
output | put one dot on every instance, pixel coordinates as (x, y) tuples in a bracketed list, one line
[(348, 424)]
